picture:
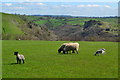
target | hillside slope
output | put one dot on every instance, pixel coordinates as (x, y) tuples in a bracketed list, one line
[(59, 28), (14, 27), (10, 26), (80, 28)]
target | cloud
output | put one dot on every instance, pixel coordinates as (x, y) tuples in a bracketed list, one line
[(19, 8), (107, 6), (27, 0), (56, 7), (8, 4), (28, 3), (66, 0), (60, 1), (40, 4), (34, 0), (65, 6), (32, 3), (94, 5), (81, 6), (90, 9)]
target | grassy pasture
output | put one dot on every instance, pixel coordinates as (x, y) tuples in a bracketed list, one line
[(41, 22), (43, 61)]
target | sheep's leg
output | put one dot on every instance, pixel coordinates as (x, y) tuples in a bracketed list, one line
[(95, 54), (63, 52), (73, 51), (76, 51), (103, 53), (19, 61), (98, 54), (23, 61), (67, 52)]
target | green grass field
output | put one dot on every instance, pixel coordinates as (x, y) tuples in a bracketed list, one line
[(43, 61)]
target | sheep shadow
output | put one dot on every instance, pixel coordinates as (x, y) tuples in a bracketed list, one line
[(66, 53), (13, 64)]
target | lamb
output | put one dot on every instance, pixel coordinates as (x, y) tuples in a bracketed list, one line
[(71, 46), (100, 51), (19, 57)]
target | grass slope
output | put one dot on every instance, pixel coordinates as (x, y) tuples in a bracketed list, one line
[(11, 24), (42, 60)]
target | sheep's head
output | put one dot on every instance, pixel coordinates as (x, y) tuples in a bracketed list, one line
[(15, 53), (61, 48), (103, 49)]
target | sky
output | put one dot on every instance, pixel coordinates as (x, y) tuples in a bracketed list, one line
[(60, 7), (59, 0)]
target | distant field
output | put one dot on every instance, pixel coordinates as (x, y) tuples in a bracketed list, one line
[(43, 61), (71, 21)]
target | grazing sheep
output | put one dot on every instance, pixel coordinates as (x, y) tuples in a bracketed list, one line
[(19, 57), (100, 51), (62, 48), (71, 46)]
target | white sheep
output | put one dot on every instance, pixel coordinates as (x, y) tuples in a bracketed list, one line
[(71, 46), (65, 47), (19, 58)]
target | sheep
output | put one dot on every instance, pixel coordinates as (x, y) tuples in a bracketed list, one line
[(62, 48), (19, 57), (100, 51), (68, 47), (71, 46)]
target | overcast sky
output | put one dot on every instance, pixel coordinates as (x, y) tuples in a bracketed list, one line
[(52, 7)]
